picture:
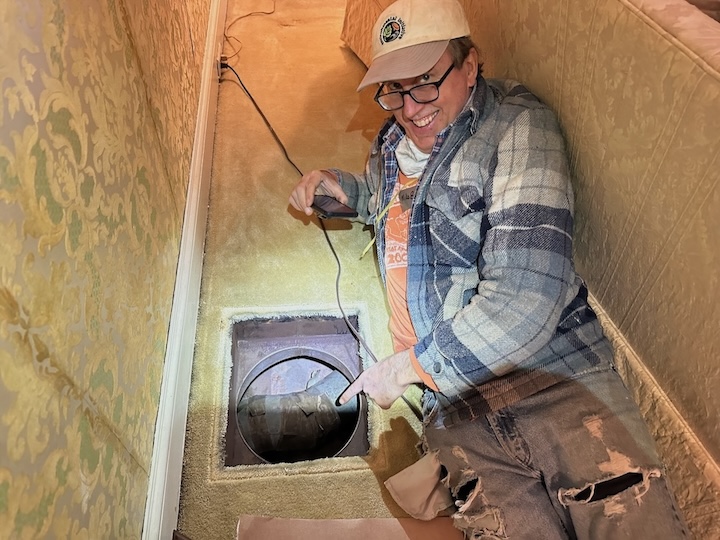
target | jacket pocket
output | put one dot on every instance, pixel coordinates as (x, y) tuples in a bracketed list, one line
[(456, 232)]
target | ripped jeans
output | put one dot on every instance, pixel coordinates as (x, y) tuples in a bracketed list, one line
[(573, 461)]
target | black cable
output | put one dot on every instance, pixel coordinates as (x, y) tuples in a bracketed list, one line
[(337, 292), (236, 19), (267, 122), (353, 330)]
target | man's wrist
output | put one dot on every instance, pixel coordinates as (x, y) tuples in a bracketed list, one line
[(329, 174), (425, 377), (405, 373)]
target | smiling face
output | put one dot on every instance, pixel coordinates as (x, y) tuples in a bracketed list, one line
[(423, 121)]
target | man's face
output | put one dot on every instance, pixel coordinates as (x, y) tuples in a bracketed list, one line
[(423, 121)]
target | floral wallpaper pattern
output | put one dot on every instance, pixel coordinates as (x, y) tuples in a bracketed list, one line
[(96, 125)]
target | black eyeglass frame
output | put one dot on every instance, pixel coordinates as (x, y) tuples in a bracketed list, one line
[(403, 93)]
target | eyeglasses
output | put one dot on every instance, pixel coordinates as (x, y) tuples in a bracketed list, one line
[(422, 93)]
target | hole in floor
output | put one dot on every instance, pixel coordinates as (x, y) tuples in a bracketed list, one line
[(286, 374)]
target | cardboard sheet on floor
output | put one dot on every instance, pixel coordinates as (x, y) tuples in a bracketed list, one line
[(256, 527)]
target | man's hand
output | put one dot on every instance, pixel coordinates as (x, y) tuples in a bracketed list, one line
[(385, 381), (322, 182)]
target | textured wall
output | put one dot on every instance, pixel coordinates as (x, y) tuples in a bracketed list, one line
[(95, 138), (637, 87), (170, 40)]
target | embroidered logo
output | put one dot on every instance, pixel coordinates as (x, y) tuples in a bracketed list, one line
[(394, 28)]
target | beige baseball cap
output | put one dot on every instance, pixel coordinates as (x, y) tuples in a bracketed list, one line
[(410, 36)]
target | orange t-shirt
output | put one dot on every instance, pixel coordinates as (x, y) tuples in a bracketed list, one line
[(396, 243)]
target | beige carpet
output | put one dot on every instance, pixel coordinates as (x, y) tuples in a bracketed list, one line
[(260, 259)]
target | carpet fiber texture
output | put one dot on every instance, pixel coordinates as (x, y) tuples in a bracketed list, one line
[(264, 260)]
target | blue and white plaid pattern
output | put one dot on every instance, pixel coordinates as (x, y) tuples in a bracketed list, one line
[(492, 291)]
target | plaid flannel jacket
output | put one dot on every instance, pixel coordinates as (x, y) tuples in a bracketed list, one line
[(492, 291)]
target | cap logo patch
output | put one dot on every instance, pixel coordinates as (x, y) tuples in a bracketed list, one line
[(394, 28)]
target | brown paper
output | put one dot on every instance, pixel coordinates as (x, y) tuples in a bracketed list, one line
[(261, 528), (418, 489)]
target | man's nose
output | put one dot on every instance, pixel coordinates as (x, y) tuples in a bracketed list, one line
[(410, 106)]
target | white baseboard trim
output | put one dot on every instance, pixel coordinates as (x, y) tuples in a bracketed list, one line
[(163, 498)]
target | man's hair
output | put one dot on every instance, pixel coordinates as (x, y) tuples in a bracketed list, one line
[(459, 50)]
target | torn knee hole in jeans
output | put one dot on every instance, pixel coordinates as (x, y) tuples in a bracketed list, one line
[(636, 480), (464, 488), (465, 493), (475, 516)]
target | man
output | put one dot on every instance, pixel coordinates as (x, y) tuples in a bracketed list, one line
[(526, 422)]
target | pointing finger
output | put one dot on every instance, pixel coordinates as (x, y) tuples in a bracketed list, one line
[(350, 392)]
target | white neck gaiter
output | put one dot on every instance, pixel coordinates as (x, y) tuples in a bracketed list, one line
[(410, 158)]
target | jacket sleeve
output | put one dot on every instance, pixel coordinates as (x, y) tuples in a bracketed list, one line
[(525, 263), (362, 189)]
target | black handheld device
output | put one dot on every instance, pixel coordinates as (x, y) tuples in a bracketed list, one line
[(329, 207)]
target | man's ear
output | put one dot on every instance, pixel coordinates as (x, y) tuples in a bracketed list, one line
[(470, 66)]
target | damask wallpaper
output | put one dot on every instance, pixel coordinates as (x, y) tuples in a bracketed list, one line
[(96, 125)]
